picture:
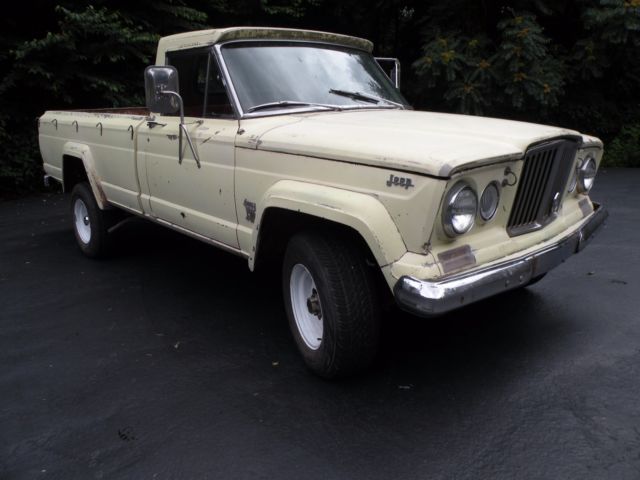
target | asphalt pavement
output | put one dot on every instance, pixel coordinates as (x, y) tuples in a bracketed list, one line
[(171, 360)]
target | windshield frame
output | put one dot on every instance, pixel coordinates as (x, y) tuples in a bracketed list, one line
[(217, 49)]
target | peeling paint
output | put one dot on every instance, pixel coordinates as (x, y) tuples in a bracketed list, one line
[(250, 207), (254, 141), (96, 184)]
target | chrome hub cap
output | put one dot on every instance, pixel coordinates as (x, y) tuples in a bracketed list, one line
[(81, 218), (306, 306)]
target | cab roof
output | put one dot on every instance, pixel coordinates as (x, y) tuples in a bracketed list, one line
[(203, 38)]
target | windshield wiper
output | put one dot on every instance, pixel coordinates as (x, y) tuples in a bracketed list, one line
[(365, 97), (291, 103)]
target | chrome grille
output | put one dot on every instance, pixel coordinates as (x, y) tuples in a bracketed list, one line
[(545, 173)]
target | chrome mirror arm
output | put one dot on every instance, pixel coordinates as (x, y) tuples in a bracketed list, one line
[(178, 98), (188, 137), (182, 128)]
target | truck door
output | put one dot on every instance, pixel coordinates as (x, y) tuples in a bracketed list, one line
[(196, 198)]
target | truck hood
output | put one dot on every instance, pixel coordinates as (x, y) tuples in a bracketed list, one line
[(435, 144)]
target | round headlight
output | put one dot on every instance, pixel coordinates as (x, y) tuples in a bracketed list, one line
[(460, 208), (489, 201), (586, 174)]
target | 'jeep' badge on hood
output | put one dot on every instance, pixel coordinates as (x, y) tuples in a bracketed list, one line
[(405, 182)]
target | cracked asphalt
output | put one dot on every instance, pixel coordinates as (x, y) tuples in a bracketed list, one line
[(170, 360)]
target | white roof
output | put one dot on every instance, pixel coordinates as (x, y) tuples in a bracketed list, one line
[(202, 38)]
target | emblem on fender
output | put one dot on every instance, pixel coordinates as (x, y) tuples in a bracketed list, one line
[(405, 182)]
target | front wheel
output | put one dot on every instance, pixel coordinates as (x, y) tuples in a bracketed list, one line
[(331, 302), (90, 224)]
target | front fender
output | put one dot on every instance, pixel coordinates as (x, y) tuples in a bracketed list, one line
[(83, 152), (359, 211)]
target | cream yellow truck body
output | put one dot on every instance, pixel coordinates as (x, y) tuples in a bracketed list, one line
[(381, 172)]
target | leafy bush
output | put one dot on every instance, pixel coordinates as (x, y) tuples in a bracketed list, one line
[(624, 150), (570, 63), (515, 72), (94, 57)]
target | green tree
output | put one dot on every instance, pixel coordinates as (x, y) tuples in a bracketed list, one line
[(574, 63), (93, 56)]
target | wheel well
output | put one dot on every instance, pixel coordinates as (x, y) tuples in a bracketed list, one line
[(278, 225), (73, 172)]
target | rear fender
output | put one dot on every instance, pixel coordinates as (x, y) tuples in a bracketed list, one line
[(83, 152)]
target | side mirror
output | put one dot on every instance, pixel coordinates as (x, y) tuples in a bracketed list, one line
[(391, 67), (161, 89)]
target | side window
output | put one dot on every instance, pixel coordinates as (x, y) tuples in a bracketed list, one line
[(218, 103), (201, 86)]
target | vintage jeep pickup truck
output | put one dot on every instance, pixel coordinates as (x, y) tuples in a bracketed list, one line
[(296, 147)]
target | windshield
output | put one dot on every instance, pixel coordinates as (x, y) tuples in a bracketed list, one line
[(280, 74)]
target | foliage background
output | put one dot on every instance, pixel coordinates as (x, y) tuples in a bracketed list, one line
[(574, 63)]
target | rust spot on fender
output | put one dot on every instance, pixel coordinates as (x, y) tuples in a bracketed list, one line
[(250, 207), (96, 186)]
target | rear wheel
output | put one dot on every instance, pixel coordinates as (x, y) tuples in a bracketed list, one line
[(331, 302), (90, 224)]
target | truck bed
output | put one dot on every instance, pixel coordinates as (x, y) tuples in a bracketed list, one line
[(104, 139)]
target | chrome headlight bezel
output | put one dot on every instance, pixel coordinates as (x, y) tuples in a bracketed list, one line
[(487, 215), (573, 180), (586, 173), (460, 192)]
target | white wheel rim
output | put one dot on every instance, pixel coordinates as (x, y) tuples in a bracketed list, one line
[(306, 306), (81, 217)]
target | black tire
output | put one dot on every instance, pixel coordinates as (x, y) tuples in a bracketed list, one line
[(97, 221), (349, 305)]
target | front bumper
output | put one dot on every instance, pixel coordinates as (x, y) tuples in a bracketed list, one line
[(428, 299)]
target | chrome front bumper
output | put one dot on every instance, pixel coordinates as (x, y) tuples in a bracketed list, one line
[(428, 299)]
